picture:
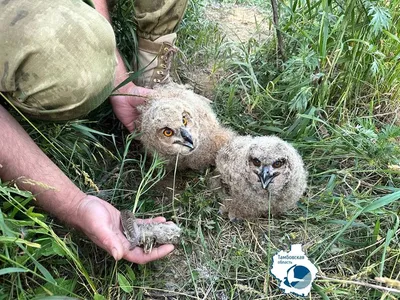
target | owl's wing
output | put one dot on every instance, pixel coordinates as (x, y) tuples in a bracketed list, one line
[(216, 184)]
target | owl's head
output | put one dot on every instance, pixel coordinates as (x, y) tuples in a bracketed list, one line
[(271, 163), (264, 163), (169, 127)]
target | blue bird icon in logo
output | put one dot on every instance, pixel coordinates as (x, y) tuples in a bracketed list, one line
[(298, 277)]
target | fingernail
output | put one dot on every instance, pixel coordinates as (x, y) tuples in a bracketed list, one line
[(114, 253)]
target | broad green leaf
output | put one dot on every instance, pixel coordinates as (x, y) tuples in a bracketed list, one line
[(124, 283), (98, 297), (131, 275)]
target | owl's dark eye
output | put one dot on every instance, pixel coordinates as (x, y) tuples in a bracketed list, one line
[(184, 120), (168, 132), (279, 163), (256, 162)]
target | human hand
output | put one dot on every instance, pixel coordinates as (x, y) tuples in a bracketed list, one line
[(100, 221), (124, 105)]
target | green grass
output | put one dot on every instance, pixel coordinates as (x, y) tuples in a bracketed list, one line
[(334, 97)]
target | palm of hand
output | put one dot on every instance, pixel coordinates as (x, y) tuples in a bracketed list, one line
[(100, 221)]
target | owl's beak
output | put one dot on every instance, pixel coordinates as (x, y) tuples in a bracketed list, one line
[(187, 137), (266, 176)]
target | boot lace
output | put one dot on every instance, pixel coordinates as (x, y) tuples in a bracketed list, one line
[(167, 58)]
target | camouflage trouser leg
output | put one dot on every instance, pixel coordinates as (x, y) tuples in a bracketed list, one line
[(159, 17), (57, 57)]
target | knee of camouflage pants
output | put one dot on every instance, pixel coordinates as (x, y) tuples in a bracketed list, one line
[(57, 60)]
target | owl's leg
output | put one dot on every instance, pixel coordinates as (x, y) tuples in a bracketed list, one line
[(148, 244)]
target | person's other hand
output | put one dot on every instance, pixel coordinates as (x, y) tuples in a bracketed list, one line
[(100, 221), (124, 106)]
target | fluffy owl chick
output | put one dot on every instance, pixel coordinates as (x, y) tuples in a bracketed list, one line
[(178, 121), (258, 174)]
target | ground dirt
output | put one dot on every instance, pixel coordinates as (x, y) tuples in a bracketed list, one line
[(240, 23)]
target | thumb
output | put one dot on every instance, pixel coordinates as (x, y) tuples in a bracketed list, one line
[(142, 92), (111, 243), (117, 252)]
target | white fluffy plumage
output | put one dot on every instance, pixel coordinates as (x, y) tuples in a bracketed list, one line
[(177, 121), (258, 175)]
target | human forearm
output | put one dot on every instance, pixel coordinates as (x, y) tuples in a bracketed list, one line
[(22, 160), (102, 7), (124, 106)]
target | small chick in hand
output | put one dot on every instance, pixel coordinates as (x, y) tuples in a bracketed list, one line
[(178, 121), (259, 174)]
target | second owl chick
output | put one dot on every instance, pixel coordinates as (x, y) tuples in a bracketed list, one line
[(259, 174), (178, 121)]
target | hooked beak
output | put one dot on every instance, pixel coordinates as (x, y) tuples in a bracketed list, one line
[(187, 137), (266, 176)]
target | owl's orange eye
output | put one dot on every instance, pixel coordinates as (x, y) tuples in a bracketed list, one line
[(256, 162), (168, 132), (279, 163), (184, 120)]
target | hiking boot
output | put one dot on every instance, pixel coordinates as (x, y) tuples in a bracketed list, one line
[(155, 59)]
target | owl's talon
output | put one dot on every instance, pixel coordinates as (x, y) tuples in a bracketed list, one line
[(235, 220)]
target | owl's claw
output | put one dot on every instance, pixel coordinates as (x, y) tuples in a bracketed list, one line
[(235, 220)]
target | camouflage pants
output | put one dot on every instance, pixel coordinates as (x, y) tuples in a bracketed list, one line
[(57, 58)]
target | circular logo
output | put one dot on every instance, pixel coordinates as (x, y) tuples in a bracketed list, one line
[(298, 277)]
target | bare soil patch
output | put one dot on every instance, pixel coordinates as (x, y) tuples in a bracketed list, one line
[(240, 23)]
